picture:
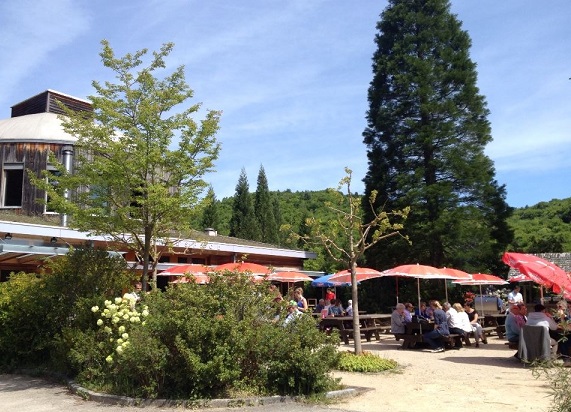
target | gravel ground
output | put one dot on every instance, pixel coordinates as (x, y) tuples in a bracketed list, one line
[(481, 379)]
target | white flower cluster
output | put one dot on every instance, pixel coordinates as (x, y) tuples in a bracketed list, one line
[(117, 316)]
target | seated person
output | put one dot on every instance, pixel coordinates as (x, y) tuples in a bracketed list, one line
[(476, 327), (434, 337), (421, 312), (398, 320), (540, 317), (349, 308), (408, 311), (320, 306), (514, 322), (335, 309), (561, 313), (454, 322), (464, 320)]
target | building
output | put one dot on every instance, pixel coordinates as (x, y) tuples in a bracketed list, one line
[(30, 232)]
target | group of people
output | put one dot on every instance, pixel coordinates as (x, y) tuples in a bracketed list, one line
[(297, 305), (556, 324), (441, 321)]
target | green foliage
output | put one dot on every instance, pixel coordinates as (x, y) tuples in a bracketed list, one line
[(426, 135), (365, 362), (264, 210), (211, 341), (542, 228), (127, 181), (37, 310), (243, 223)]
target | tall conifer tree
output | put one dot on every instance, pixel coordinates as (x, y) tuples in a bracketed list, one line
[(427, 130), (264, 210), (210, 215), (243, 223)]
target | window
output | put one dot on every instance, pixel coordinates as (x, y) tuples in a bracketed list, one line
[(12, 185)]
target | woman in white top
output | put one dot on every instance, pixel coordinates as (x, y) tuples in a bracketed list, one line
[(463, 318)]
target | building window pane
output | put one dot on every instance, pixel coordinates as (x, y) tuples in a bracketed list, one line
[(13, 185)]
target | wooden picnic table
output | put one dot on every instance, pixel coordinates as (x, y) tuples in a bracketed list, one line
[(415, 330), (370, 324), (494, 323)]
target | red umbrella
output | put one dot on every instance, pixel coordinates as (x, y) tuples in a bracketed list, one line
[(479, 279), (539, 270), (196, 271), (252, 268), (289, 276), (419, 272), (344, 276)]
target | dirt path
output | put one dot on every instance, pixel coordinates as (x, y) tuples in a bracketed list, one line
[(481, 379)]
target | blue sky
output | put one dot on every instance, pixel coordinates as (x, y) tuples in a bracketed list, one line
[(291, 78)]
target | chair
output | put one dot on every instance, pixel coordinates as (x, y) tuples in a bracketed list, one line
[(534, 343)]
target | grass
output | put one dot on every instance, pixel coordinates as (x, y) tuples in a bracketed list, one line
[(365, 362)]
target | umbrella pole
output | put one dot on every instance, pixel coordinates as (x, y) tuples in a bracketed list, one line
[(397, 287), (418, 292), (446, 289), (481, 300)]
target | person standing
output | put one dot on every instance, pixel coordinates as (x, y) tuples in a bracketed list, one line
[(301, 301), (434, 337), (515, 297)]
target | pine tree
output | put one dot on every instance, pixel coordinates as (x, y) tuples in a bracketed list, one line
[(263, 208), (427, 130), (243, 223), (210, 215)]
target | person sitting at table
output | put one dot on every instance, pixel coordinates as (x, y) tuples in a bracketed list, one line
[(320, 306), (349, 308), (421, 312), (540, 317), (476, 327), (408, 311), (292, 312), (514, 322), (335, 309), (301, 301), (398, 326), (434, 337), (464, 320), (561, 312), (454, 323)]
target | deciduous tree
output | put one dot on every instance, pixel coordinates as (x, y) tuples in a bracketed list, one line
[(128, 181)]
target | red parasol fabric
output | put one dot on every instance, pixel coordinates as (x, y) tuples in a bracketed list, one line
[(344, 276), (289, 276), (540, 270), (253, 268), (198, 272)]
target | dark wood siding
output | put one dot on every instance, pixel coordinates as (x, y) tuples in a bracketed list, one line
[(46, 102), (34, 157)]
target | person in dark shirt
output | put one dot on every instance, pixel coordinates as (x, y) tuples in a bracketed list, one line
[(434, 337)]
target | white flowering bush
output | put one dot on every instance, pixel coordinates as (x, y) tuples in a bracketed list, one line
[(116, 319)]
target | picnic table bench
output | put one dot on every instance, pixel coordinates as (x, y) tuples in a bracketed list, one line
[(494, 323), (369, 325), (415, 330)]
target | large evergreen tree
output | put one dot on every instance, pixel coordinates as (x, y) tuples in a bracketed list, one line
[(243, 223), (264, 210), (426, 134)]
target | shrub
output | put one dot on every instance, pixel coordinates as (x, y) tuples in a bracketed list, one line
[(218, 340), (366, 362), (38, 311)]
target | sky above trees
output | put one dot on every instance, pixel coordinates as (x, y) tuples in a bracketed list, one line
[(291, 78)]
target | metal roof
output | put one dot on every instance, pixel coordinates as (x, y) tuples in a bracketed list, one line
[(39, 127)]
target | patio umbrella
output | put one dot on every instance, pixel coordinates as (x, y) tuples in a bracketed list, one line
[(541, 271), (419, 272), (479, 279), (324, 282), (344, 276), (252, 268), (198, 272), (456, 273), (289, 277)]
